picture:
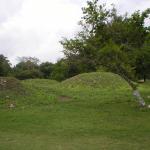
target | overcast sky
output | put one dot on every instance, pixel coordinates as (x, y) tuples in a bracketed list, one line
[(35, 27)]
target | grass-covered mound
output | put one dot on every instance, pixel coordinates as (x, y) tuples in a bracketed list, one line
[(11, 84), (103, 80), (11, 91), (26, 92)]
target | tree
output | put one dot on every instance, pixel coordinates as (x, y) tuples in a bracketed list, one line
[(109, 40), (143, 60), (28, 74), (5, 68), (27, 68), (60, 70), (46, 69), (28, 63), (116, 60)]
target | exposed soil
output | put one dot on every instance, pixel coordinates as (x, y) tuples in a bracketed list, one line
[(64, 98)]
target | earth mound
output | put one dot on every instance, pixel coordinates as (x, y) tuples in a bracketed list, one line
[(101, 80), (11, 84)]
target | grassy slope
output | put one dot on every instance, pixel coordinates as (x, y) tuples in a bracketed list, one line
[(51, 116)]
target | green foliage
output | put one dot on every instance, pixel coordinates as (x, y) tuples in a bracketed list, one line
[(60, 71), (143, 60), (27, 68), (27, 63), (64, 69), (46, 69), (28, 74), (5, 68), (113, 57), (121, 36)]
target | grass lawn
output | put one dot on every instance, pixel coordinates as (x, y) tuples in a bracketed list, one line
[(64, 116)]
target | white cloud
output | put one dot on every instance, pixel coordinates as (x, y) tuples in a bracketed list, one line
[(8, 8), (35, 27)]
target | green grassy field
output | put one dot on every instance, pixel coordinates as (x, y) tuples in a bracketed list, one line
[(93, 111)]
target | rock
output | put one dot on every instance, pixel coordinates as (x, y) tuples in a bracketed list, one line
[(141, 81), (4, 81), (11, 106), (7, 97)]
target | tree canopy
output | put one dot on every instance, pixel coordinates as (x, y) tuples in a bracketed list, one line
[(5, 66), (108, 39)]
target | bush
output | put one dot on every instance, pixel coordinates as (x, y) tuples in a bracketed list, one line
[(28, 74)]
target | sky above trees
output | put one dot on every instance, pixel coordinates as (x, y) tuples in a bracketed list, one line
[(35, 27)]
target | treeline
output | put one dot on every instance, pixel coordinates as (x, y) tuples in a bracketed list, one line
[(30, 68), (107, 41)]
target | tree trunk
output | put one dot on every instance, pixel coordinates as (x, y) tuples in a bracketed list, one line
[(144, 78), (139, 98)]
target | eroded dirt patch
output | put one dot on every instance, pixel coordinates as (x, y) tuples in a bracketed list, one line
[(64, 98)]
